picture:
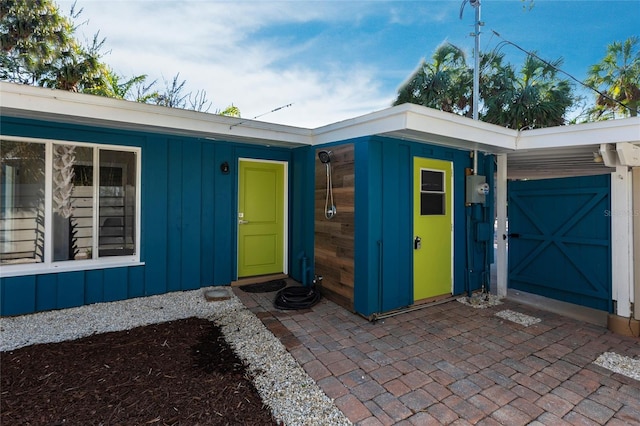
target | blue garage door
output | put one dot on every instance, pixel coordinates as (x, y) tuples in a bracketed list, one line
[(560, 239)]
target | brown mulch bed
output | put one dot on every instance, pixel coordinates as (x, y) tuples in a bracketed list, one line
[(177, 373)]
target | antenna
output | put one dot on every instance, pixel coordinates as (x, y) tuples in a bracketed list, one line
[(260, 115)]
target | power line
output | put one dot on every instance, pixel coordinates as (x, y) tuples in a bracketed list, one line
[(260, 115), (273, 110), (604, 95)]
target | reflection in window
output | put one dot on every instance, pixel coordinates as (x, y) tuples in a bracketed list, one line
[(22, 200), (90, 196), (117, 203), (72, 202), (432, 193)]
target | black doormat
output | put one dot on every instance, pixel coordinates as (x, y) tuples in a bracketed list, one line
[(265, 287)]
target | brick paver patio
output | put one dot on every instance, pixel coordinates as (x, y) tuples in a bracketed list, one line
[(453, 364)]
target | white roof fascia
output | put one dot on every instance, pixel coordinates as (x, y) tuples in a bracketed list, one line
[(482, 136), (407, 121), (421, 124), (36, 102), (596, 133), (378, 122)]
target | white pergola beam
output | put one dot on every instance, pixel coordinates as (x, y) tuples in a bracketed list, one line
[(621, 240), (501, 213)]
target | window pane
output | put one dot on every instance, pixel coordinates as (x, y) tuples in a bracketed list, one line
[(117, 203), (432, 204), (432, 180), (22, 202), (72, 202)]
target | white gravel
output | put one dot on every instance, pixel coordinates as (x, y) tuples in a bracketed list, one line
[(620, 364), (518, 317), (293, 397)]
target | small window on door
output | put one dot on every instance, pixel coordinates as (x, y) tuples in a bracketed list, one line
[(432, 193)]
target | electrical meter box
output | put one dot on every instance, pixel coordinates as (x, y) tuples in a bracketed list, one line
[(477, 189)]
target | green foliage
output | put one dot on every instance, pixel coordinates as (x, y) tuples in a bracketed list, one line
[(230, 111), (38, 47), (134, 88), (617, 77), (77, 69), (534, 97), (33, 34), (442, 84)]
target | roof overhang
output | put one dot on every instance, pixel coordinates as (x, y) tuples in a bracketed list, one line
[(574, 150), (548, 152), (420, 124), (67, 107)]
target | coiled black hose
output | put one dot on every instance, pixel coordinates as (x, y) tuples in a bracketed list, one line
[(296, 297)]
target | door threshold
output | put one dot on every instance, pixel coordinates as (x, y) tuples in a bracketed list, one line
[(432, 299), (258, 279)]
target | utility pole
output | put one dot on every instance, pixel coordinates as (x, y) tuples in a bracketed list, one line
[(476, 68), (476, 53)]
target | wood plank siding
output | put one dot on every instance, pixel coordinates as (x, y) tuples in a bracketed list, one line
[(334, 238)]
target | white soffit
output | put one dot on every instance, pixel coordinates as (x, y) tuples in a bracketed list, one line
[(568, 150), (555, 162)]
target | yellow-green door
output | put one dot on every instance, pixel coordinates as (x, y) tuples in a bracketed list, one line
[(261, 220), (432, 228)]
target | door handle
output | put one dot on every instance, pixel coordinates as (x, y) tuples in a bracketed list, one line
[(417, 243), (242, 222)]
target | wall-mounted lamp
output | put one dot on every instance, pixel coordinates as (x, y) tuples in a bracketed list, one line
[(224, 168)]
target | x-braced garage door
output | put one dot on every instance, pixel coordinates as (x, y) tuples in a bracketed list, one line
[(560, 239)]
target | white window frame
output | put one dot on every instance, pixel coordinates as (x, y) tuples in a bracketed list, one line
[(442, 192), (48, 266)]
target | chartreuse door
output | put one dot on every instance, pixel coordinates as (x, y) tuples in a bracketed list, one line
[(433, 228), (261, 218)]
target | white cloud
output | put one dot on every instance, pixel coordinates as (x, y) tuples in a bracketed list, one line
[(217, 47)]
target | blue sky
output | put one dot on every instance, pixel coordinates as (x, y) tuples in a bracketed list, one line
[(334, 60)]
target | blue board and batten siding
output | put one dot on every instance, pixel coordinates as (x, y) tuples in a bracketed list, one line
[(384, 223), (188, 220), (188, 208)]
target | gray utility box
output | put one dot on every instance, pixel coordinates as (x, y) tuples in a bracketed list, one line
[(477, 189)]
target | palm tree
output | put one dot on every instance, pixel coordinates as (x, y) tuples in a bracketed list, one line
[(133, 89), (617, 77), (442, 84), (76, 69), (536, 98)]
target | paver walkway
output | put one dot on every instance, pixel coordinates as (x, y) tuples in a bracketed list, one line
[(454, 364)]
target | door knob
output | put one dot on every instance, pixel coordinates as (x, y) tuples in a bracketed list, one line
[(242, 222)]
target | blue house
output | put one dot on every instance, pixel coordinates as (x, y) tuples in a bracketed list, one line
[(105, 200)]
